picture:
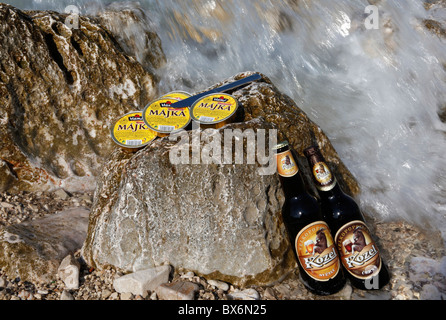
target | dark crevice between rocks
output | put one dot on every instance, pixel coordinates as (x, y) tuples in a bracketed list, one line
[(16, 123), (76, 46), (57, 57), (11, 168), (54, 27)]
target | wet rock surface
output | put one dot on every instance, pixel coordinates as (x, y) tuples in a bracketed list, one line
[(60, 89)]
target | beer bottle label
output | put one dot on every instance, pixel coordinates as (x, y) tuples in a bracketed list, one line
[(324, 178), (316, 251), (286, 165), (359, 253)]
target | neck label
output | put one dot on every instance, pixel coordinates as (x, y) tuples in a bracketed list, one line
[(324, 178), (286, 165)]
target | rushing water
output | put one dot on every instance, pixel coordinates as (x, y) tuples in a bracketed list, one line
[(375, 92)]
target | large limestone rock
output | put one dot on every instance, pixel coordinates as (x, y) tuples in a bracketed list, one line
[(61, 87), (219, 220), (33, 250)]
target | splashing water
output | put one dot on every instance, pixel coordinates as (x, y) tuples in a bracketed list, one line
[(375, 92)]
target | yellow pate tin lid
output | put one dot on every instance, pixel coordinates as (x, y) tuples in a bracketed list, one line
[(130, 131), (161, 117), (214, 108), (177, 95)]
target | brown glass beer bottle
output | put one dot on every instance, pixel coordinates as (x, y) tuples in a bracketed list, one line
[(358, 252), (318, 261)]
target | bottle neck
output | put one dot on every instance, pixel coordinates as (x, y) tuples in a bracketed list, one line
[(334, 192), (323, 178), (293, 186), (289, 175)]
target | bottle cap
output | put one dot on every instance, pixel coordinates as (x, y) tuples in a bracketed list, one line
[(311, 151), (281, 145)]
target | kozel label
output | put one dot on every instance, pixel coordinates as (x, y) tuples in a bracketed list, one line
[(286, 166), (161, 117), (130, 131), (214, 108), (316, 251), (359, 253)]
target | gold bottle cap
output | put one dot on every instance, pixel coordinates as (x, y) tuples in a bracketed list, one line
[(311, 150), (281, 145)]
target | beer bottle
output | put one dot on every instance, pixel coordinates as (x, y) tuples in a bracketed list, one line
[(312, 242), (358, 252)]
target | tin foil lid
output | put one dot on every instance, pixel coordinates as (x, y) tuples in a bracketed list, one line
[(130, 131), (177, 95), (214, 108), (161, 117)]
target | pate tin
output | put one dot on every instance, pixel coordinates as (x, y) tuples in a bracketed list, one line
[(131, 132), (164, 119), (214, 110)]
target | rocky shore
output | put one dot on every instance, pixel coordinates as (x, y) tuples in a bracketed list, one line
[(416, 262), (61, 242)]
